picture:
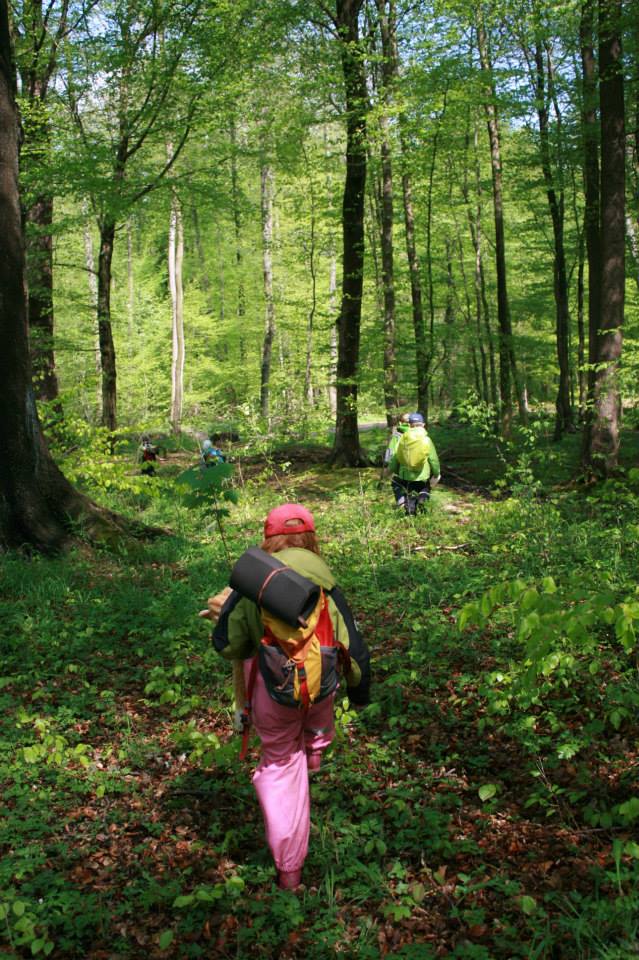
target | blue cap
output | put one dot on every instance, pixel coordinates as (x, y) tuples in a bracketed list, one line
[(415, 418)]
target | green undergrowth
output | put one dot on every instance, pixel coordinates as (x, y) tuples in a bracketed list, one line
[(484, 805)]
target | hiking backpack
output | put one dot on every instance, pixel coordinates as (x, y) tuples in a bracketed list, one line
[(413, 449), (300, 665)]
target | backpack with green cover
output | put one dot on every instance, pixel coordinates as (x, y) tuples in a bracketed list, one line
[(413, 448)]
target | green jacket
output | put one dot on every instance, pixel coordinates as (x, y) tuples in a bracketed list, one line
[(429, 468), (239, 630)]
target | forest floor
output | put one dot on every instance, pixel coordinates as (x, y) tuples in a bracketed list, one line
[(483, 806)]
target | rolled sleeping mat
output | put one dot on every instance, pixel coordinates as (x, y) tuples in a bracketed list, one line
[(267, 581)]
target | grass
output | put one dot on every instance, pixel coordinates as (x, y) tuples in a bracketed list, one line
[(452, 817)]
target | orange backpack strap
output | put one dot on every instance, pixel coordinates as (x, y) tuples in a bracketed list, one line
[(246, 715)]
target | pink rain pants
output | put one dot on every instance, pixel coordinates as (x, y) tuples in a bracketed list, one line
[(288, 735)]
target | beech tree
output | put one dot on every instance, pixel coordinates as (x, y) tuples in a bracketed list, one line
[(38, 507), (40, 29), (602, 429), (345, 19)]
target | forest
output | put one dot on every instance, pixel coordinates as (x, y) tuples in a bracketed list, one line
[(277, 228)]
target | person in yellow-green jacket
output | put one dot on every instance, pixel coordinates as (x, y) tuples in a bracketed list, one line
[(416, 465)]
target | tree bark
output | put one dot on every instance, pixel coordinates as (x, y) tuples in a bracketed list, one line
[(346, 449), (39, 223), (92, 281), (40, 42), (556, 204), (38, 507), (105, 330), (391, 399), (603, 447), (266, 183), (175, 260), (422, 360), (309, 393), (239, 248), (507, 362)]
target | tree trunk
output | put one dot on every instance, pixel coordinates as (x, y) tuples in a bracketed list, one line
[(312, 267), (266, 181), (175, 258), (603, 449), (105, 331), (564, 416), (332, 306), (130, 303), (40, 40), (346, 448), (581, 333), (591, 211), (507, 362), (633, 245), (92, 280), (38, 506), (482, 314), (239, 248), (391, 399), (39, 221)]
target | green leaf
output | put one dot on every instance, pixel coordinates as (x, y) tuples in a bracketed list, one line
[(630, 809), (184, 901), (487, 792), (528, 904), (18, 908), (166, 939), (37, 945)]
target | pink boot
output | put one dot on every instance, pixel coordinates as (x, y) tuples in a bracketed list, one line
[(289, 879)]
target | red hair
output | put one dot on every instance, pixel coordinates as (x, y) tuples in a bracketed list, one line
[(307, 541)]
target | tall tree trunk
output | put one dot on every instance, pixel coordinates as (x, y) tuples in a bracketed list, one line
[(507, 362), (130, 303), (346, 448), (312, 267), (590, 137), (422, 360), (429, 256), (482, 312), (391, 399), (556, 203), (38, 506), (604, 435), (39, 223), (175, 260), (633, 245), (92, 280), (332, 306), (40, 41), (581, 332), (266, 182), (332, 291), (239, 246), (105, 330)]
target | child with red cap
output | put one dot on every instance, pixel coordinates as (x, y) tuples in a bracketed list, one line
[(293, 738)]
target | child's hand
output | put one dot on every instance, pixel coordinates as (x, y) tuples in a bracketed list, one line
[(214, 605)]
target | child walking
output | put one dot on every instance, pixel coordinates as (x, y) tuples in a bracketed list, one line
[(292, 738)]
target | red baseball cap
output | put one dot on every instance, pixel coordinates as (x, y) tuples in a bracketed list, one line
[(278, 520)]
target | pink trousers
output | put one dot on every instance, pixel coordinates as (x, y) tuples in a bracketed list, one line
[(288, 736)]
